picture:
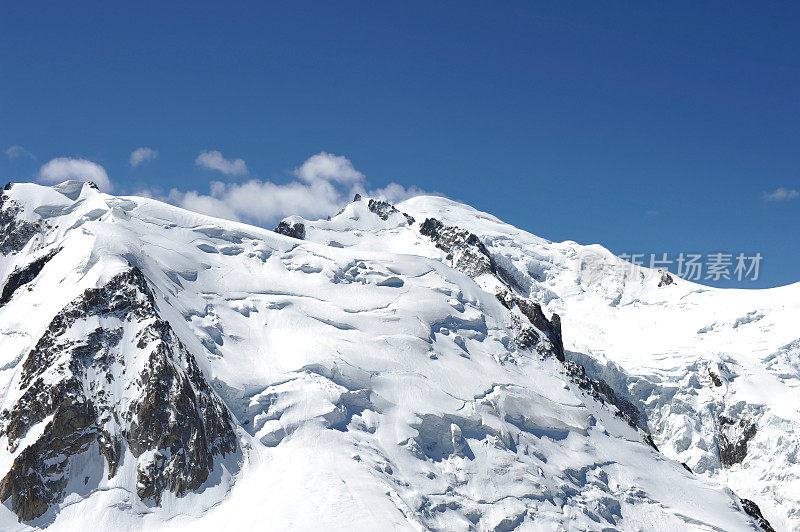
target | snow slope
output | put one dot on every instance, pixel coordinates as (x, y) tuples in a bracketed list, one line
[(667, 346), (374, 380)]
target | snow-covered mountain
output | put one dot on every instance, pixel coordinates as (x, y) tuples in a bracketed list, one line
[(418, 366)]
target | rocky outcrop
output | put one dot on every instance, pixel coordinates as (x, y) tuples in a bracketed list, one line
[(294, 230), (384, 210), (601, 391), (733, 437), (127, 384), (464, 250), (24, 275), (15, 232), (666, 279), (714, 378), (752, 509), (533, 312)]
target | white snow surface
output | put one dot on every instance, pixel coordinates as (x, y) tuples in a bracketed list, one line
[(375, 387)]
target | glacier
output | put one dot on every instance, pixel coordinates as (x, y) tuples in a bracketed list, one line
[(420, 366)]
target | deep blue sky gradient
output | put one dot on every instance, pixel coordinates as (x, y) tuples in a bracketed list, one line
[(647, 127)]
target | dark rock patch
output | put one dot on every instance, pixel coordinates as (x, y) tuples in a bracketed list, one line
[(295, 230), (169, 418), (23, 276), (384, 209), (464, 250), (666, 279), (752, 509), (15, 233), (733, 437), (602, 392), (533, 312)]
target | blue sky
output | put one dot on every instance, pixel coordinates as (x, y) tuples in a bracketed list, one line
[(643, 128)]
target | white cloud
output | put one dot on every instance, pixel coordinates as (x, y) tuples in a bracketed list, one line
[(64, 168), (326, 183), (394, 193), (328, 167), (16, 151), (263, 201), (781, 194), (142, 155), (213, 160)]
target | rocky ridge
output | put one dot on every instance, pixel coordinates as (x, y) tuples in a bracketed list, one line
[(169, 419)]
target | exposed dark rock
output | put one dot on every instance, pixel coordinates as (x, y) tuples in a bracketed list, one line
[(733, 437), (39, 472), (686, 467), (169, 418), (465, 251), (666, 279), (715, 378), (601, 391), (22, 276), (533, 311), (357, 197), (295, 230), (15, 233), (752, 509), (648, 439), (384, 210)]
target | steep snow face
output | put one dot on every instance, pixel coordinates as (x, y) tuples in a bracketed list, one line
[(371, 371)]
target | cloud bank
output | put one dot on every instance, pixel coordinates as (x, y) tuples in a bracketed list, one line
[(781, 194), (213, 160), (64, 168), (324, 183), (142, 155)]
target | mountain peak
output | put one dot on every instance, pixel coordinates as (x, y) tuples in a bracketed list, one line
[(423, 364)]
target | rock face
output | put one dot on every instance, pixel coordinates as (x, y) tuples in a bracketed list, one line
[(294, 230), (465, 251), (107, 376), (666, 279), (384, 210), (15, 232), (733, 437), (22, 276), (533, 311), (601, 391), (754, 511)]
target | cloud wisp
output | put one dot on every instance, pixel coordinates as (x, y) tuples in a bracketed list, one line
[(16, 151), (65, 168), (214, 160), (328, 167), (781, 194), (142, 155), (324, 183)]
